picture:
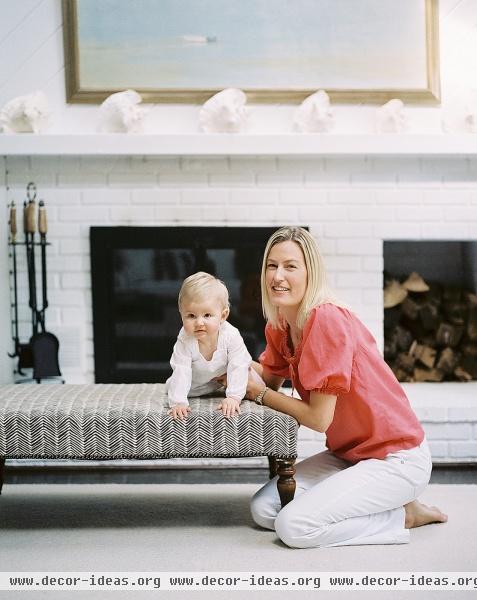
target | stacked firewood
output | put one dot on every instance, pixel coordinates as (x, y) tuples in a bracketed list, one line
[(430, 330)]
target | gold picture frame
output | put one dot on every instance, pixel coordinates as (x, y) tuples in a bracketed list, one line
[(78, 54)]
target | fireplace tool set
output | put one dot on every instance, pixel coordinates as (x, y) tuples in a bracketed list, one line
[(41, 352)]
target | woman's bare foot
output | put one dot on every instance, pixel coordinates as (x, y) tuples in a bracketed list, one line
[(418, 514)]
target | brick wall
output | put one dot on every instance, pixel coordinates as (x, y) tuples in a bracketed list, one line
[(351, 205)]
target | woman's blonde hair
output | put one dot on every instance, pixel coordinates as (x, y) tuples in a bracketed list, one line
[(202, 285), (317, 289)]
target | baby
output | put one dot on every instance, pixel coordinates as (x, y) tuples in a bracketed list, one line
[(207, 347)]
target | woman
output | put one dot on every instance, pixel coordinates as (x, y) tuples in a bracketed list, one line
[(363, 489)]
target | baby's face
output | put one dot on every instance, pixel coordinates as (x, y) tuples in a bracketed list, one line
[(202, 319)]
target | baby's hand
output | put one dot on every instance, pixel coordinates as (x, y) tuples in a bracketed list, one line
[(179, 411), (229, 406)]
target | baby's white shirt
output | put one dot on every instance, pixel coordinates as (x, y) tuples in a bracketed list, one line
[(193, 375)]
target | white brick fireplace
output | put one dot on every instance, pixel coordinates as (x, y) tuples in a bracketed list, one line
[(350, 202)]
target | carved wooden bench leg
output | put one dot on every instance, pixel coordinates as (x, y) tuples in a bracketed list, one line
[(286, 483), (2, 471)]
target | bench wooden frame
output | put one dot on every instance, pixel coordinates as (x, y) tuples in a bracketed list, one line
[(281, 467)]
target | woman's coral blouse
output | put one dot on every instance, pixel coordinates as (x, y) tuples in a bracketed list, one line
[(338, 355)]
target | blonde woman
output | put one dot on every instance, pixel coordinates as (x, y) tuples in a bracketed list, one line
[(363, 488)]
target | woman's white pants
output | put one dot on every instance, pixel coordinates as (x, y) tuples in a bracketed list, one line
[(338, 503)]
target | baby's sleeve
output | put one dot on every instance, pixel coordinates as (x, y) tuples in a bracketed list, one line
[(272, 358), (326, 362), (179, 383), (238, 363)]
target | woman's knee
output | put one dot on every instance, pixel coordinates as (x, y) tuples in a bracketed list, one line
[(264, 508), (293, 530)]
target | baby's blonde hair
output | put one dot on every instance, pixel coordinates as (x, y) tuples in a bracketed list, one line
[(202, 285)]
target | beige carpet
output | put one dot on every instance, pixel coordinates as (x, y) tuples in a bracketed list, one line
[(205, 528)]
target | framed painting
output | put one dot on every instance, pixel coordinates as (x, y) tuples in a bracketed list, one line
[(274, 50)]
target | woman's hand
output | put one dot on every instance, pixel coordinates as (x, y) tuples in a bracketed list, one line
[(255, 383)]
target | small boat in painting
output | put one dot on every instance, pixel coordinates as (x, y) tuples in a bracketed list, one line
[(199, 39)]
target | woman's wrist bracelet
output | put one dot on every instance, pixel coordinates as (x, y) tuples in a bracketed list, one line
[(259, 398)]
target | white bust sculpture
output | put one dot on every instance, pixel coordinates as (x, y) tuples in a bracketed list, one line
[(25, 114), (391, 118), (314, 115), (225, 112), (121, 113)]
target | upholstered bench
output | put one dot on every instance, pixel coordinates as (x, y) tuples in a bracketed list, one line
[(130, 421)]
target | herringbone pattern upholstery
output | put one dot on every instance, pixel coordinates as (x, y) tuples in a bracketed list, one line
[(105, 421)]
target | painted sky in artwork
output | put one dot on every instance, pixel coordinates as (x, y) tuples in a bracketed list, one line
[(252, 44)]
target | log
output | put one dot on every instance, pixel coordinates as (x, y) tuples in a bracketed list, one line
[(432, 335), (415, 284), (410, 308), (472, 317), (429, 340), (470, 350), (469, 359), (390, 348), (455, 312), (424, 354), (449, 335), (404, 338), (469, 365), (405, 362), (401, 375), (414, 327), (448, 360), (429, 316), (428, 375), (462, 375)]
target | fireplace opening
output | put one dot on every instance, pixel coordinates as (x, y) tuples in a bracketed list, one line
[(136, 276), (430, 310)]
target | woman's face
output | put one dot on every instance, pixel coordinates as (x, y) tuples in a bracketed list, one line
[(286, 275)]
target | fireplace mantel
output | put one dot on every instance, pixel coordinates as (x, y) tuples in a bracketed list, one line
[(237, 144)]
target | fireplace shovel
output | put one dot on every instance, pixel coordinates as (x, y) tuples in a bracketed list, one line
[(44, 345)]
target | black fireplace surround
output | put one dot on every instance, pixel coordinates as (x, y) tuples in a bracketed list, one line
[(136, 276)]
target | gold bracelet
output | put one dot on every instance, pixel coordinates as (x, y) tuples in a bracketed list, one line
[(259, 398)]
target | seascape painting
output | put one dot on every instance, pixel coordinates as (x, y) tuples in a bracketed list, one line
[(269, 45)]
